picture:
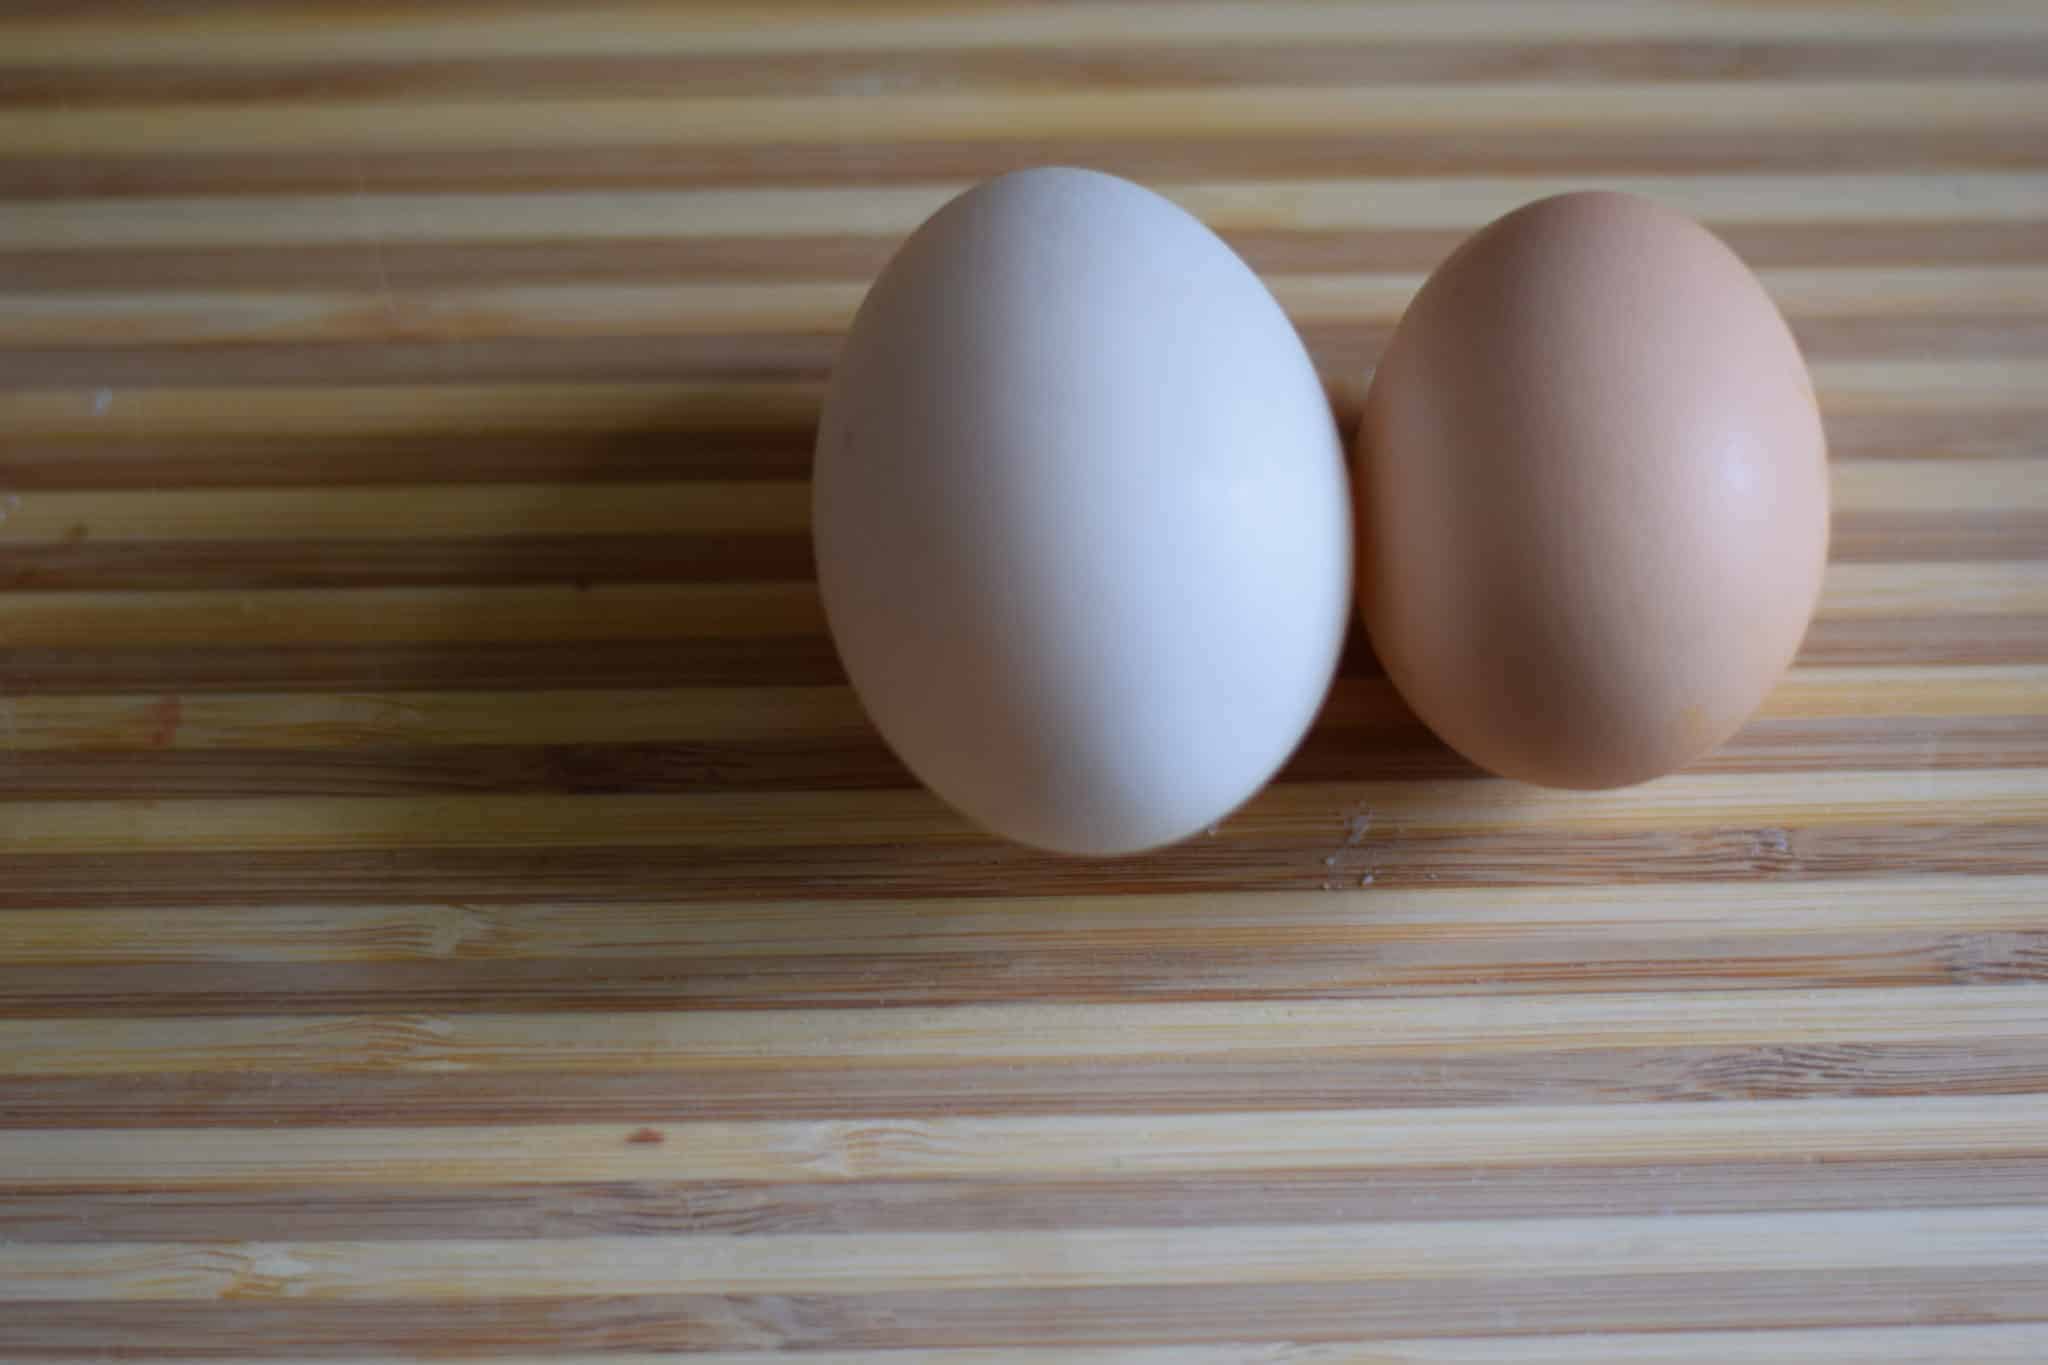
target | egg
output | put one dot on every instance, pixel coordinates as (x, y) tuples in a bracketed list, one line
[(1593, 494), (1081, 515)]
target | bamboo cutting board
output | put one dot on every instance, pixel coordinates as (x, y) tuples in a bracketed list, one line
[(450, 903)]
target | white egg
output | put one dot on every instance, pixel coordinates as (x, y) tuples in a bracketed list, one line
[(1081, 516)]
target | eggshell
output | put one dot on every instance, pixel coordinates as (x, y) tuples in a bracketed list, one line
[(1593, 494), (1081, 515)]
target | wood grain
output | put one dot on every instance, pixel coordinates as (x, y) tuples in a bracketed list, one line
[(451, 904)]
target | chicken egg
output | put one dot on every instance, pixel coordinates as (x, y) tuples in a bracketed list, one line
[(1081, 516), (1592, 494)]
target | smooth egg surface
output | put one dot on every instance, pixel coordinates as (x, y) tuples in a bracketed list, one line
[(1593, 494), (1081, 516)]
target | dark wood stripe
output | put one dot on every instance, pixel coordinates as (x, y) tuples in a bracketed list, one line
[(1031, 974), (1931, 640), (1924, 536), (796, 660), (681, 451), (83, 563), (703, 358), (1396, 752), (987, 867), (496, 560), (819, 763), (654, 1209), (343, 264), (958, 70), (1748, 1300), (763, 661), (142, 460), (1979, 433), (1337, 348), (1445, 1078), (1950, 336), (1422, 151)]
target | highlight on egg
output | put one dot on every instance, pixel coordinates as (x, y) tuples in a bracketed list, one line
[(1592, 494), (1081, 516)]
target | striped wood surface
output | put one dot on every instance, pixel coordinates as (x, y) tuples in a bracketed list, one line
[(451, 904)]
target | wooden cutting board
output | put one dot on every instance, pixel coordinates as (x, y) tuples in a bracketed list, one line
[(450, 903)]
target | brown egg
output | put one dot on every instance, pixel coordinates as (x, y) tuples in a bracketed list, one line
[(1592, 494)]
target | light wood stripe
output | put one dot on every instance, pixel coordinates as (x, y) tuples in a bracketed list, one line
[(1926, 843), (663, 309), (1351, 205), (731, 30), (1000, 1034), (1960, 485), (1961, 589), (2014, 1344), (862, 1149), (1672, 915), (1256, 61), (341, 264), (1981, 1344), (1887, 389), (1306, 1198), (441, 410), (517, 310), (315, 721), (1890, 388), (1611, 150), (631, 611), (740, 820), (1474, 1249), (2018, 690), (1241, 112)]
